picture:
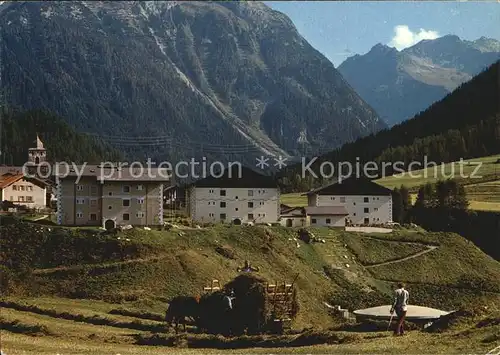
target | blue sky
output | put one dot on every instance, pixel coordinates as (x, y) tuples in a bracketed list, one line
[(342, 29)]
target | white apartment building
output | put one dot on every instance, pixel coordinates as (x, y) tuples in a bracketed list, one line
[(235, 197), (366, 202)]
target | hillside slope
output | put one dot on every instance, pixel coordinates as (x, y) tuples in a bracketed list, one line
[(400, 84), (176, 79), (138, 267)]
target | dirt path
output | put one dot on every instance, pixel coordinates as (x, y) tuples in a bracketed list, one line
[(106, 265), (495, 351), (420, 253)]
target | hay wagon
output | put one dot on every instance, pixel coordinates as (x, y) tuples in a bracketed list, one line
[(275, 303), (282, 310)]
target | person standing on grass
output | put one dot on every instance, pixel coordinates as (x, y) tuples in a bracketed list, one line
[(400, 305)]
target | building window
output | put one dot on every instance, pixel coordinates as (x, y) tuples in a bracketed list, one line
[(12, 198), (313, 220), (126, 216), (80, 201), (250, 205), (211, 191), (222, 216), (140, 187), (14, 187), (211, 215), (223, 204), (342, 199), (93, 190), (126, 188), (110, 193), (140, 214), (332, 198), (367, 210), (367, 221), (21, 198), (29, 198), (328, 221), (79, 215), (354, 213), (93, 202), (236, 209), (250, 216), (223, 192), (250, 193), (110, 207), (79, 187), (140, 201), (126, 202), (376, 209), (93, 217), (235, 197), (366, 199), (29, 188), (21, 188)]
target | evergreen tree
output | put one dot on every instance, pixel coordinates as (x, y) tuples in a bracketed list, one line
[(397, 206)]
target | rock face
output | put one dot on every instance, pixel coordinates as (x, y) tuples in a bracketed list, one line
[(400, 84), (219, 78)]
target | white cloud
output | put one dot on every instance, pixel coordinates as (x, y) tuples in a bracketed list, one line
[(404, 37)]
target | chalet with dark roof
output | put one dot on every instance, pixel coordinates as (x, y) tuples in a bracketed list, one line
[(366, 202)]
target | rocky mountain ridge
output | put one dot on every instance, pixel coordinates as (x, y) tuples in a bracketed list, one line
[(169, 79), (400, 84)]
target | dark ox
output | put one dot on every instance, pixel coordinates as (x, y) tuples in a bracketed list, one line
[(180, 308), (215, 314)]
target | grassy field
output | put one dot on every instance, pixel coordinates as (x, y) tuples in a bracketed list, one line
[(72, 338), (487, 170), (483, 190), (112, 306), (294, 199)]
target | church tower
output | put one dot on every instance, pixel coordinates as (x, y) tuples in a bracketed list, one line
[(36, 156)]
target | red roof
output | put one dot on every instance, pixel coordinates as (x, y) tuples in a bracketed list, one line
[(8, 179)]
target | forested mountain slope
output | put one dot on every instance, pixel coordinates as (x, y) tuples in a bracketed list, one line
[(465, 124), (171, 79)]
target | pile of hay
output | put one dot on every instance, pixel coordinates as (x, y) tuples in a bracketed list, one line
[(214, 316), (253, 311)]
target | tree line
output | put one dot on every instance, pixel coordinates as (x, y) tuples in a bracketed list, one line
[(443, 206), (19, 131)]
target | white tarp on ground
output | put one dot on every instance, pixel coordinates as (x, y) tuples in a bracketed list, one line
[(413, 313), (368, 229)]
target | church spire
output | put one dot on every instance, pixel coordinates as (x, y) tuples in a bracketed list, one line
[(39, 144)]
